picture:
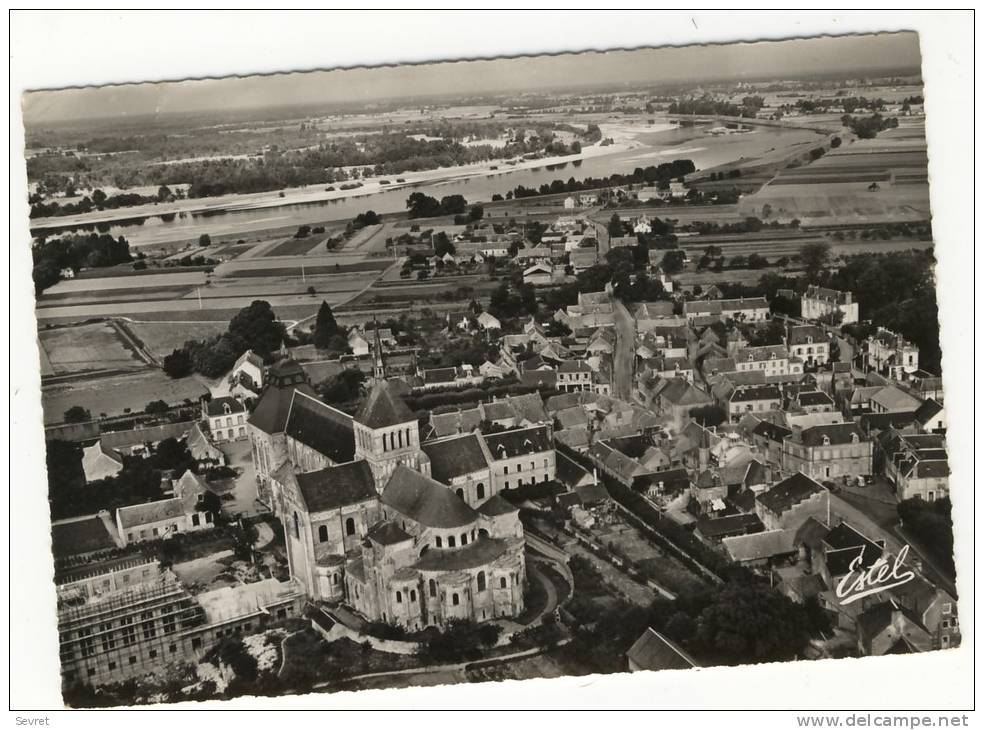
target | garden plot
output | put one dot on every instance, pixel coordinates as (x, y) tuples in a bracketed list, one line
[(85, 348)]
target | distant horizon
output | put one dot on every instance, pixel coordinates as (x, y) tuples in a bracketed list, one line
[(632, 69)]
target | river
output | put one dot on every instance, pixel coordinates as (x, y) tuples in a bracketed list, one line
[(656, 147)]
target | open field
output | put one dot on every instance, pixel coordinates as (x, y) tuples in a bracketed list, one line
[(161, 339), (835, 188), (84, 348), (115, 394), (128, 279)]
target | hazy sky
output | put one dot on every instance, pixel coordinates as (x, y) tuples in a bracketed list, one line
[(865, 54)]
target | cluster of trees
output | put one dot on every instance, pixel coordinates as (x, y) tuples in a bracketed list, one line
[(424, 206), (369, 218), (707, 106), (869, 127), (139, 481), (344, 387), (459, 641), (253, 328), (75, 251), (652, 175), (98, 201), (508, 301), (849, 104)]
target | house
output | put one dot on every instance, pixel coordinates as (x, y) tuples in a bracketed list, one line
[(538, 275), (753, 399), (891, 354), (917, 464), (931, 416), (809, 344), (762, 548), (790, 502), (813, 401), (714, 530), (226, 418), (888, 628), (677, 398), (521, 456), (488, 322), (892, 399), (100, 462), (247, 374), (570, 203), (67, 273), (642, 224), (583, 259), (357, 343), (204, 452), (773, 360), (623, 241), (574, 375), (819, 304), (653, 652), (828, 451), (752, 309), (185, 512)]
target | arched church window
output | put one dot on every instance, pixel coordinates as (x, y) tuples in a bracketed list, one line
[(432, 587), (454, 599), (451, 541), (413, 596), (297, 527), (399, 597), (481, 580), (438, 541), (460, 493), (323, 533), (350, 526), (480, 491), (464, 538), (502, 582)]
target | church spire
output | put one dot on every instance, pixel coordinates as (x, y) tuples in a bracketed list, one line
[(378, 366)]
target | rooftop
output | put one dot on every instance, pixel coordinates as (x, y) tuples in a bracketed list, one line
[(455, 457), (383, 407), (325, 429), (425, 500), (336, 486), (790, 492)]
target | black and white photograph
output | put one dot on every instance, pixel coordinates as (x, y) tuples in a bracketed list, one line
[(389, 376)]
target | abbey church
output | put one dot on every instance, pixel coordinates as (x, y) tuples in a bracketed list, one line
[(407, 533)]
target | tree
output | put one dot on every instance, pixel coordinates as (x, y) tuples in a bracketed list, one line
[(204, 240), (256, 328), (77, 414), (672, 262), (178, 364), (98, 197), (615, 228), (156, 407), (164, 193), (930, 524), (814, 257), (442, 244), (303, 232), (709, 415), (325, 327), (476, 213)]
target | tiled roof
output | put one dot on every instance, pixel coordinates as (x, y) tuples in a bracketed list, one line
[(927, 410), (654, 652), (217, 406), (756, 393), (836, 433), (447, 424), (383, 407), (507, 444), (135, 515), (729, 525), (425, 500), (337, 486), (760, 546), (387, 533), (270, 414), (814, 398), (497, 505), (789, 492), (455, 457), (806, 334), (481, 551), (321, 427)]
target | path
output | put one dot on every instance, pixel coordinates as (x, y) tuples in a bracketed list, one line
[(442, 673)]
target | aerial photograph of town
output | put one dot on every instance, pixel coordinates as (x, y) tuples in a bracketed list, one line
[(490, 370)]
